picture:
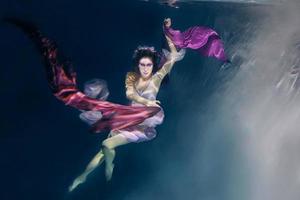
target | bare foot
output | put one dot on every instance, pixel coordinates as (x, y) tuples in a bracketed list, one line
[(77, 182)]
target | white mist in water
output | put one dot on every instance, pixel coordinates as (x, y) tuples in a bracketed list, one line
[(245, 141), (264, 96)]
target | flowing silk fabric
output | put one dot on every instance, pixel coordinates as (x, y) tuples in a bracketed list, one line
[(62, 81), (202, 39)]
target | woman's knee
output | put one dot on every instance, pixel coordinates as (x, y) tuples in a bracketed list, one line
[(107, 144)]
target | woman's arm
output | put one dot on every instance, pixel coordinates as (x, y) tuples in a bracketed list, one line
[(131, 93), (167, 67)]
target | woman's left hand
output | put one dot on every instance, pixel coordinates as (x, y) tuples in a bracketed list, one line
[(154, 103), (167, 22)]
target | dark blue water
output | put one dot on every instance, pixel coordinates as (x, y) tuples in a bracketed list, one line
[(44, 145)]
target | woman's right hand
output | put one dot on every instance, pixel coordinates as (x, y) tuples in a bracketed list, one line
[(154, 103)]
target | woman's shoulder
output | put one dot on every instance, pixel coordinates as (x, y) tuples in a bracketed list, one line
[(131, 77), (131, 74)]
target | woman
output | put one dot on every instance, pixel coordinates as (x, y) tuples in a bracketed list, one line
[(134, 123), (142, 85)]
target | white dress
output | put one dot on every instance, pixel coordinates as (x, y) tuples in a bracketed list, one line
[(145, 130)]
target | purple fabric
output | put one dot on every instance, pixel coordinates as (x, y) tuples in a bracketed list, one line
[(202, 39)]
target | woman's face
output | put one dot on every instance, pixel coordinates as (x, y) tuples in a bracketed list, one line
[(146, 67)]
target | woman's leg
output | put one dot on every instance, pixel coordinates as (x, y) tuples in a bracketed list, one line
[(95, 162), (108, 149), (109, 146)]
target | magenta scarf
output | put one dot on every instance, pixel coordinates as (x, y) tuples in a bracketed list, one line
[(204, 40)]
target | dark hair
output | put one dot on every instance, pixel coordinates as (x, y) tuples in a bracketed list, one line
[(145, 51)]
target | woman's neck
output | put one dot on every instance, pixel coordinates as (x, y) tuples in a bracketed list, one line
[(145, 79)]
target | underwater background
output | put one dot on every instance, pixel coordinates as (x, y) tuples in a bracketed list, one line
[(231, 131)]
